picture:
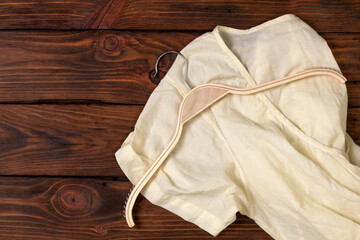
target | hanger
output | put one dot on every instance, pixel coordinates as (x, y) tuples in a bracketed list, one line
[(198, 99), (185, 70)]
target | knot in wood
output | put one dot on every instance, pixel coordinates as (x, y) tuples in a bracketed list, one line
[(75, 200), (101, 230), (111, 43)]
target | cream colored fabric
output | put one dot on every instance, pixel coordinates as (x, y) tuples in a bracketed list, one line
[(281, 157)]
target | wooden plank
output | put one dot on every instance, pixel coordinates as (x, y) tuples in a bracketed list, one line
[(83, 66), (83, 208), (65, 14), (330, 16), (75, 140), (71, 140), (112, 66)]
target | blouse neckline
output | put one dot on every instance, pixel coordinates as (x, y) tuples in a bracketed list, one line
[(246, 74), (219, 39)]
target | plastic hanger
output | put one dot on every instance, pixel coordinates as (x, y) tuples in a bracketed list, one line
[(196, 101)]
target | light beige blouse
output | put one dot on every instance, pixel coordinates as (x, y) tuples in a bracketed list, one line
[(281, 157)]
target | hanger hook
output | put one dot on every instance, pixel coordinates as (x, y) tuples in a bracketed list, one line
[(186, 66)]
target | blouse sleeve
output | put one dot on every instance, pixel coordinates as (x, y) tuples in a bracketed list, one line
[(196, 180)]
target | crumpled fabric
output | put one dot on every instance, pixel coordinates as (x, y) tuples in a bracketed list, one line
[(282, 157)]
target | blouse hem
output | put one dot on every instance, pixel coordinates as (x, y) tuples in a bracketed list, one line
[(126, 157)]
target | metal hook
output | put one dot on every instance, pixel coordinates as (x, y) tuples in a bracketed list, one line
[(186, 66)]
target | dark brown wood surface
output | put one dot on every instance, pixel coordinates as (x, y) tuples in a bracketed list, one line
[(324, 16), (109, 66), (74, 78)]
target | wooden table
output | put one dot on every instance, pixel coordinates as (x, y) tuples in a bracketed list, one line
[(74, 77)]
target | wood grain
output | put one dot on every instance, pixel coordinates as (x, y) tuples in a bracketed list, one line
[(64, 14), (88, 208), (72, 140), (329, 16), (324, 16), (83, 66), (112, 66), (75, 140), (69, 98)]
